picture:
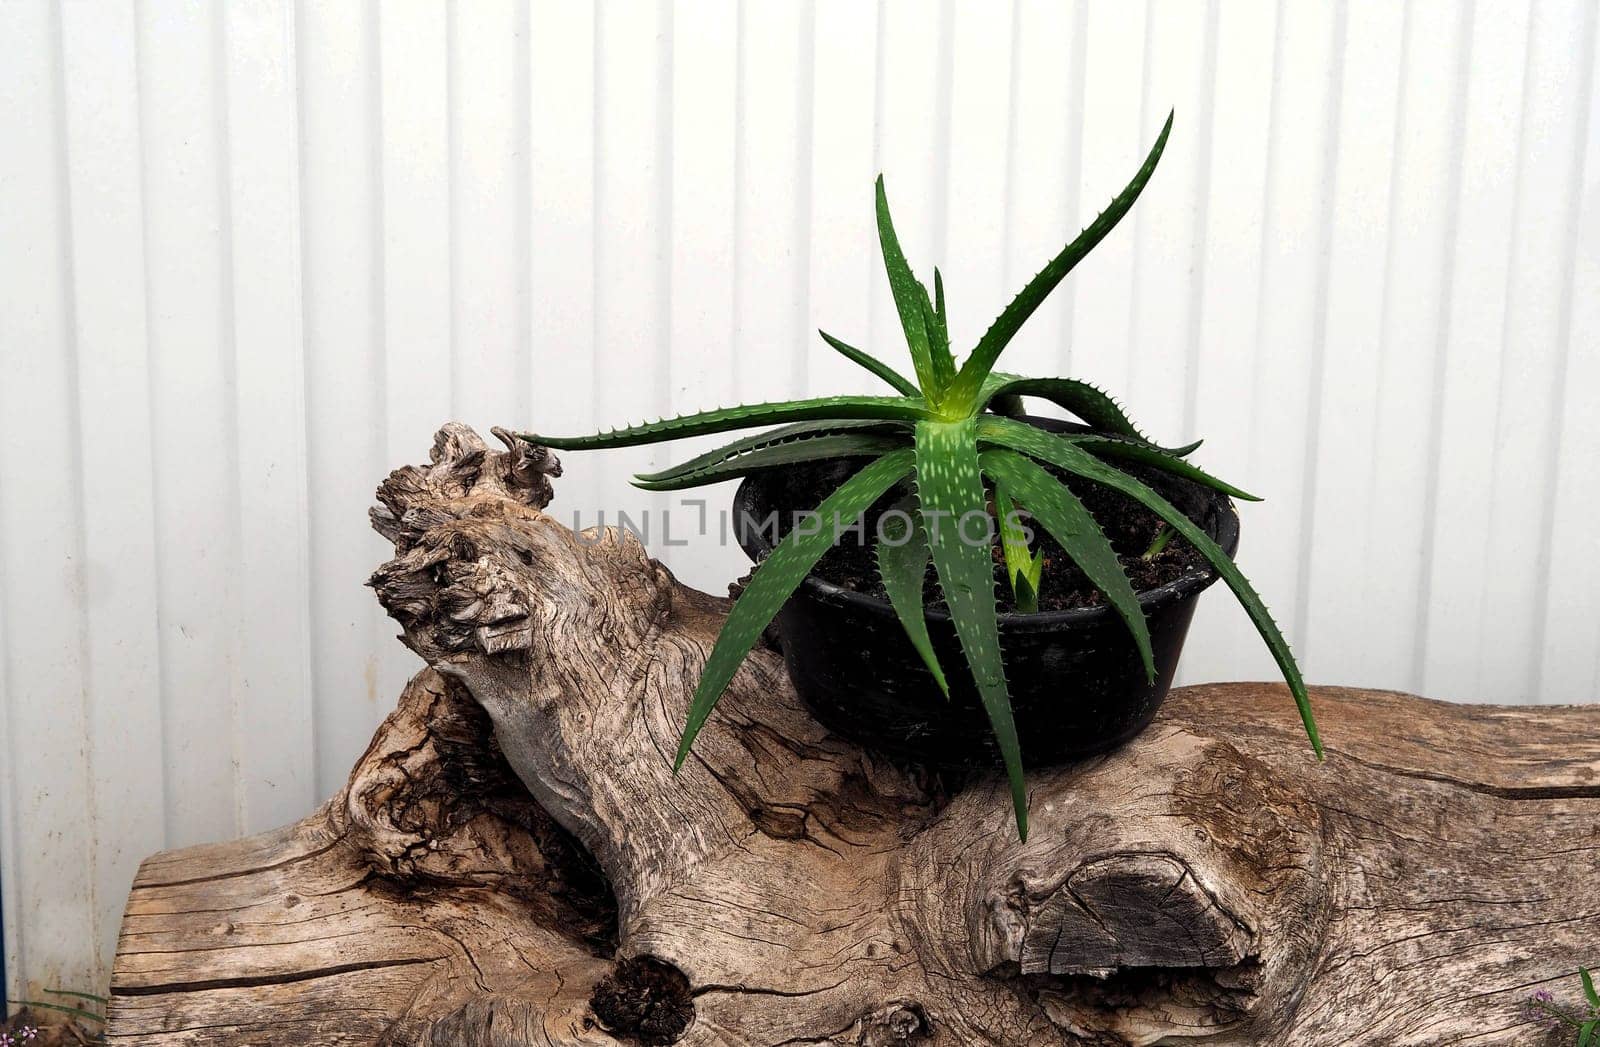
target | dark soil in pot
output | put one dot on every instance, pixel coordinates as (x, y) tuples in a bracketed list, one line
[(1077, 684)]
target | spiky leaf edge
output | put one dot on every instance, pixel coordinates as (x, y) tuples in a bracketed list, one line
[(772, 437), (1061, 453), (777, 577), (703, 423), (1060, 512), (902, 568), (969, 380), (1088, 402), (934, 367), (789, 452), (950, 491), (1023, 566), (1155, 457), (871, 363)]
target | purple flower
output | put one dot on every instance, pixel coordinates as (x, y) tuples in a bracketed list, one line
[(1541, 1008)]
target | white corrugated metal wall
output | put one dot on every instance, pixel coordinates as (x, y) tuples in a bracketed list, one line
[(251, 255)]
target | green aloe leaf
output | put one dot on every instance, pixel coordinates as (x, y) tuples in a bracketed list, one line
[(1166, 461), (1062, 453), (950, 493), (1090, 403), (902, 551), (936, 323), (1025, 589), (1024, 567), (930, 323), (871, 363), (969, 381), (1586, 1032), (772, 437), (901, 408), (1003, 393), (778, 576), (1069, 521), (934, 367), (1588, 987), (789, 452)]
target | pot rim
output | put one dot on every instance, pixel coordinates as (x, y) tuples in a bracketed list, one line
[(1222, 523)]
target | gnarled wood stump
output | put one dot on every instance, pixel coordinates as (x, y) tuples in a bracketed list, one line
[(513, 861)]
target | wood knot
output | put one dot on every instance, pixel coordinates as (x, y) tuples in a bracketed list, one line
[(645, 1001), (463, 475), (526, 469), (1132, 910), (902, 1022), (780, 823)]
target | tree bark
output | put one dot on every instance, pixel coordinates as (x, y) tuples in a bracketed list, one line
[(514, 862)]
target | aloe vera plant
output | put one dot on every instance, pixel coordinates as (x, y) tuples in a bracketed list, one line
[(949, 431)]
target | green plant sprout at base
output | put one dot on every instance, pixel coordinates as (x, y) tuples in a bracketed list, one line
[(30, 1035), (952, 434), (1543, 1009), (1162, 539), (1024, 568)]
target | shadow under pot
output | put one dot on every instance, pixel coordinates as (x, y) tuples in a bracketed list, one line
[(1077, 684)]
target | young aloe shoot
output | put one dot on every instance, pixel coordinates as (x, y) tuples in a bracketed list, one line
[(948, 431), (1023, 567), (1159, 543)]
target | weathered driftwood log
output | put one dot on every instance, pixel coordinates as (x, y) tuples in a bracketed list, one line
[(513, 862)]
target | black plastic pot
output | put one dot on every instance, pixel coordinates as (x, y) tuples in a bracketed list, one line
[(1077, 684)]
